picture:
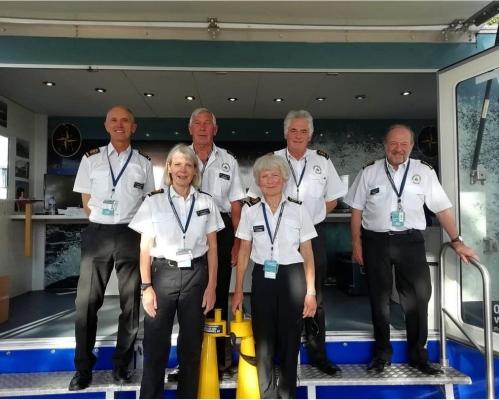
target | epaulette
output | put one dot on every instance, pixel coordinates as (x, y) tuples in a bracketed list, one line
[(144, 155), (200, 191), (231, 153), (156, 192), (426, 163), (92, 152), (323, 154), (253, 200), (294, 200), (368, 164)]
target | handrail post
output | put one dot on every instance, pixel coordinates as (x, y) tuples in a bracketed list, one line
[(487, 320)]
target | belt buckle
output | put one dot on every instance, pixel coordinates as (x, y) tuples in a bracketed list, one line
[(171, 263)]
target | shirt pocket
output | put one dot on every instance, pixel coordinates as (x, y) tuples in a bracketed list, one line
[(165, 226), (100, 183), (135, 182), (317, 185), (377, 195), (413, 197), (292, 228)]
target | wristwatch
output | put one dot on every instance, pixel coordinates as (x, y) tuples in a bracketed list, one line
[(144, 286), (457, 239)]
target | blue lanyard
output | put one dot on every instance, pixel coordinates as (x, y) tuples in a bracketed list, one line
[(402, 184), (184, 230), (115, 180), (297, 183), (272, 237)]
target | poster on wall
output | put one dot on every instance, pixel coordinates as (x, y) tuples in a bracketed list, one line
[(22, 148), (3, 114), (22, 169)]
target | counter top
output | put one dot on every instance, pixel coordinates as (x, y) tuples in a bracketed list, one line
[(50, 218)]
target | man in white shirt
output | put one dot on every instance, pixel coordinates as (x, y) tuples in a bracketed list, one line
[(112, 180), (387, 199)]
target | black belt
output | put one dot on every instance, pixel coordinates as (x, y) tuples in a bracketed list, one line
[(173, 263), (108, 227), (366, 232)]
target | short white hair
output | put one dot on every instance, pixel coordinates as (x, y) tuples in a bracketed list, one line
[(185, 150), (270, 162), (294, 114), (201, 110)]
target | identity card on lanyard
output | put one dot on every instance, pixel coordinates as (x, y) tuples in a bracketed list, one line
[(297, 182), (271, 266), (184, 255), (109, 206), (398, 217)]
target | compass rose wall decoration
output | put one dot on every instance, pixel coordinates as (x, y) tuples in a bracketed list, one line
[(428, 141), (66, 140)]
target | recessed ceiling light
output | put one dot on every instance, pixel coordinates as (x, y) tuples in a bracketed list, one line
[(278, 99), (267, 132), (320, 98), (100, 90), (176, 132), (190, 98), (361, 97), (232, 99), (48, 83), (148, 134), (406, 93), (149, 94)]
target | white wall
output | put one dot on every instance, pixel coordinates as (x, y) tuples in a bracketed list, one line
[(21, 123)]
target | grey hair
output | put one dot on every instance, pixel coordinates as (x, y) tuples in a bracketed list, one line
[(272, 162), (185, 150), (293, 114), (123, 108), (399, 126), (202, 110)]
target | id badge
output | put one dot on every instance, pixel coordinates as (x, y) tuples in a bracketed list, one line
[(109, 207), (398, 218), (270, 268), (183, 258)]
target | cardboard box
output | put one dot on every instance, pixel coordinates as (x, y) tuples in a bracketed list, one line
[(4, 298)]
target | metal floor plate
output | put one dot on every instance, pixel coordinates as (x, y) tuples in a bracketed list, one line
[(352, 374)]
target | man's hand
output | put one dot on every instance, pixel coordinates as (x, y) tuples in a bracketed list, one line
[(357, 253), (237, 300), (309, 306), (464, 252), (209, 297), (149, 302)]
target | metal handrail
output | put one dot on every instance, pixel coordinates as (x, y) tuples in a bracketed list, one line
[(487, 320)]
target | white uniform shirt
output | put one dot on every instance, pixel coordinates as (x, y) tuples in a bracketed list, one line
[(296, 227), (94, 178), (372, 193), (221, 178), (156, 219), (320, 183)]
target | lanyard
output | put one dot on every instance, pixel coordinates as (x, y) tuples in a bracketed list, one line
[(115, 180), (272, 237), (184, 230), (402, 184), (297, 182), (205, 164)]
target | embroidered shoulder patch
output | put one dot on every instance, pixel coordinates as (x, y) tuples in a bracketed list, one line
[(144, 155), (426, 163), (92, 152), (156, 192), (230, 152), (323, 154), (294, 200)]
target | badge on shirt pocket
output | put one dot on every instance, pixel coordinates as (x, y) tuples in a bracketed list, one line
[(258, 228), (224, 176), (374, 191), (138, 185), (204, 211)]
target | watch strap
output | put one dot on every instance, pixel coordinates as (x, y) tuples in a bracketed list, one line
[(144, 286)]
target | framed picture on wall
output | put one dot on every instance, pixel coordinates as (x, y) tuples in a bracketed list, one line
[(22, 169), (22, 194), (22, 148)]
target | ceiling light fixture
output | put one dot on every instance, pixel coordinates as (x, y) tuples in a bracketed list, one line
[(100, 90), (48, 83), (320, 98), (278, 99), (232, 99), (149, 94), (190, 98), (406, 93), (361, 97)]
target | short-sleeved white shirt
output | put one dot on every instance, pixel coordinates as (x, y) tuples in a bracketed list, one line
[(94, 178), (156, 219), (221, 178), (372, 193), (296, 227), (320, 182)]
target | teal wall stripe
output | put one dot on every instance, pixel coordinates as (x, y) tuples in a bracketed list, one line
[(212, 54)]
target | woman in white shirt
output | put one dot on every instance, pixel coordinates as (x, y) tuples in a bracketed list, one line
[(275, 233), (178, 267)]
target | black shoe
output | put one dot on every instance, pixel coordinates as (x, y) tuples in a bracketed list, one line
[(378, 365), (427, 369), (122, 375), (81, 380), (327, 367)]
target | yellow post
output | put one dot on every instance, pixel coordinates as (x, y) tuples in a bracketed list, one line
[(209, 386), (247, 376)]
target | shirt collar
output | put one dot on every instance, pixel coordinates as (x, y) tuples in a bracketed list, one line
[(390, 167), (173, 193), (214, 149), (283, 199), (111, 149), (305, 155)]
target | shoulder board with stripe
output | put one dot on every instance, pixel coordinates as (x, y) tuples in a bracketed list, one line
[(253, 200), (144, 155), (230, 152), (368, 164), (156, 192), (92, 152), (294, 200), (323, 154), (426, 163), (200, 191)]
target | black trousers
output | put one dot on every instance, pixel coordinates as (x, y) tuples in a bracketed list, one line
[(225, 241), (102, 248), (178, 290), (406, 254), (276, 311), (315, 328)]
